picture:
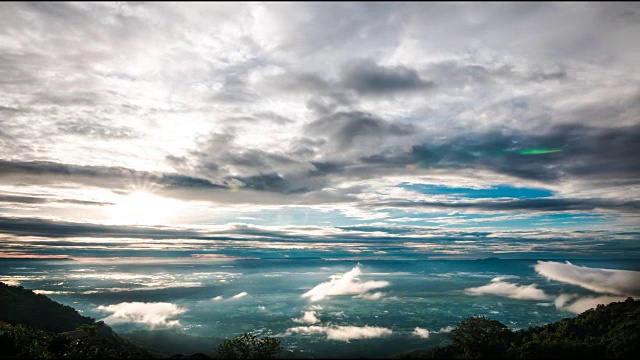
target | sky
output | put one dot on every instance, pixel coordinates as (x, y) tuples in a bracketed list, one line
[(165, 129)]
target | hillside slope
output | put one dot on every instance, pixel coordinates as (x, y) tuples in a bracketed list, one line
[(34, 326), (22, 306), (606, 332)]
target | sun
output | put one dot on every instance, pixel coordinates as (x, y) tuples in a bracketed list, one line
[(142, 208)]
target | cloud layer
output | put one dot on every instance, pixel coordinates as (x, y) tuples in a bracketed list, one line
[(421, 333), (342, 333), (589, 302), (152, 313), (308, 317), (348, 283), (605, 281), (510, 290), (311, 114), (240, 295)]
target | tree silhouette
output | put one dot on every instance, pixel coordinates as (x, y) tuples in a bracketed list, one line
[(479, 336), (248, 346)]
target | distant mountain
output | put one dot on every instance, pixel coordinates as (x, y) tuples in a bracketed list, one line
[(606, 332), (493, 258)]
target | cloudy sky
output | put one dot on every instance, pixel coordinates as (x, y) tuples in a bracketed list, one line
[(508, 127)]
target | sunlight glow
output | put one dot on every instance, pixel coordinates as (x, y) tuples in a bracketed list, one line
[(143, 208)]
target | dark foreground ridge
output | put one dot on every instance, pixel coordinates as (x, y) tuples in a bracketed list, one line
[(34, 326), (606, 332)]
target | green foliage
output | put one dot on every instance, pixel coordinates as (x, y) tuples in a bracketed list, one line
[(479, 337), (27, 342), (611, 332), (34, 326), (248, 346)]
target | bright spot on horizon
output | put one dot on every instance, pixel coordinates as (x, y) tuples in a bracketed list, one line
[(142, 208)]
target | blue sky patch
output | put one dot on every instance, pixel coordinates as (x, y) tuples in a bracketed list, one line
[(500, 191)]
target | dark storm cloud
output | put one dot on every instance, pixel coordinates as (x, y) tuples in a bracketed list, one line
[(346, 129), (22, 226), (41, 172), (355, 145), (525, 205), (367, 77), (356, 78), (268, 182), (254, 158), (321, 168), (248, 161), (19, 199), (22, 199), (8, 168), (178, 181), (53, 229), (590, 153), (295, 184), (219, 157)]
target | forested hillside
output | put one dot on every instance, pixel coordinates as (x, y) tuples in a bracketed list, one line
[(34, 326), (22, 306), (611, 331)]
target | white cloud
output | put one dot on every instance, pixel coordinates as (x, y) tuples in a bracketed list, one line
[(562, 300), (342, 333), (152, 314), (606, 281), (348, 283), (367, 296), (242, 294), (514, 291), (420, 332), (49, 292), (590, 302), (503, 277), (446, 329), (11, 282), (309, 317)]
